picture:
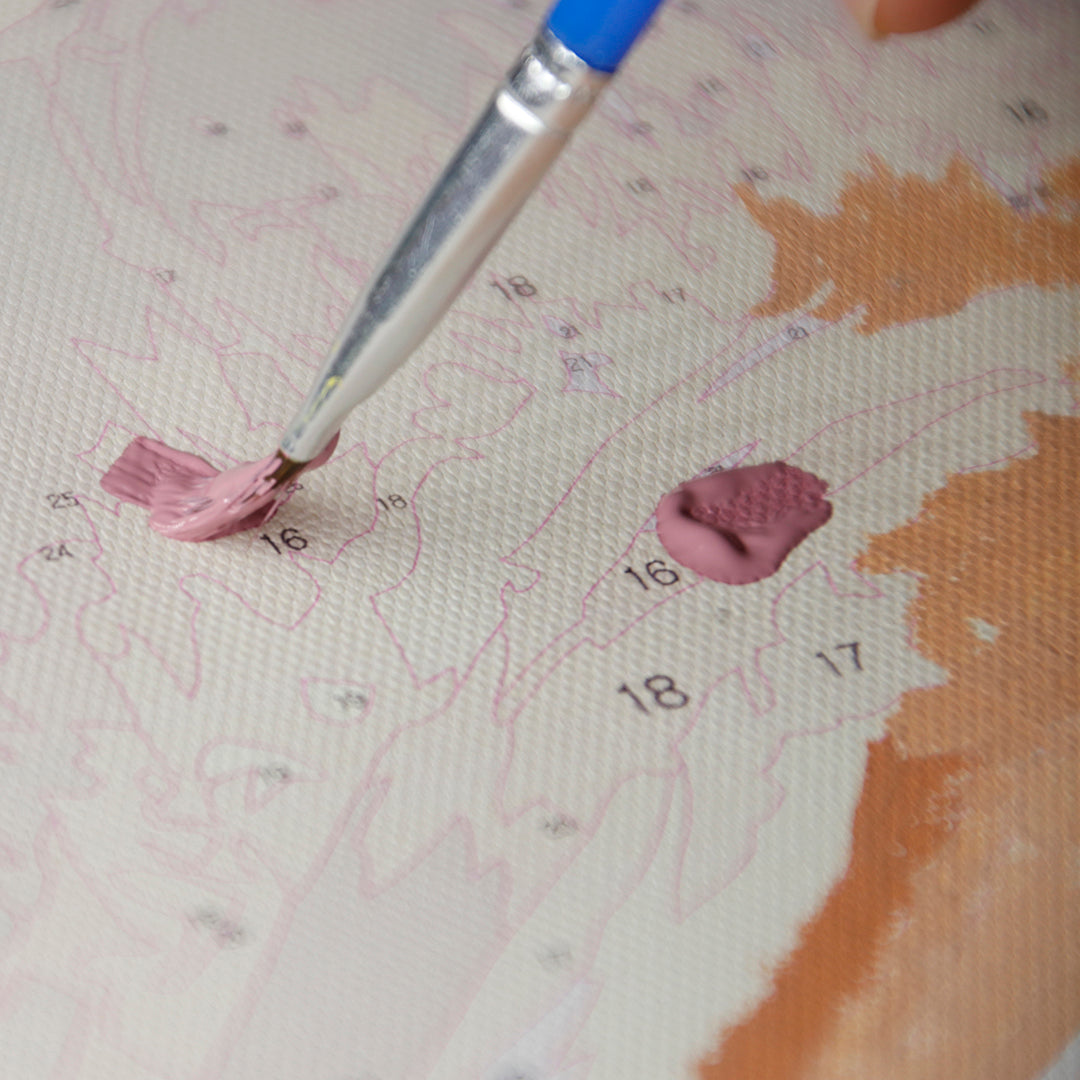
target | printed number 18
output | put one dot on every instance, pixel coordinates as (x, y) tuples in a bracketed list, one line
[(519, 286), (664, 691)]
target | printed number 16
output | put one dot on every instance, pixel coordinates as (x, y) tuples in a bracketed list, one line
[(658, 570)]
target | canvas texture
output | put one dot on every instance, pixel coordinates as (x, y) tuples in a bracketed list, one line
[(450, 770)]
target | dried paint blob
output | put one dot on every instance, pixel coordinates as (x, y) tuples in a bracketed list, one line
[(738, 526), (189, 499)]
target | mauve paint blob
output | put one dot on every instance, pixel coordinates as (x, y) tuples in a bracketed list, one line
[(189, 499), (739, 526)]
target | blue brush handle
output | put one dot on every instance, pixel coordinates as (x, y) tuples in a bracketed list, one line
[(601, 32)]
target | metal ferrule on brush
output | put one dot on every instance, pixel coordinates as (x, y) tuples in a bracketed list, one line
[(522, 130)]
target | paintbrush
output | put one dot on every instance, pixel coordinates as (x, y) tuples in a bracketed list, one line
[(527, 122)]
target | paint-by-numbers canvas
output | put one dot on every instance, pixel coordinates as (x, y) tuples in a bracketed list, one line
[(450, 771)]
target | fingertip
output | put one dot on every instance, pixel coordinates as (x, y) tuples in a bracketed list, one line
[(864, 13), (879, 18), (911, 16)]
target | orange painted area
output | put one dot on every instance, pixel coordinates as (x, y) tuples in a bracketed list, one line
[(1064, 186), (1001, 547), (907, 248), (951, 946), (898, 826)]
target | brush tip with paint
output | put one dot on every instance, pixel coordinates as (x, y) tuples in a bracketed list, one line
[(189, 499), (525, 126)]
